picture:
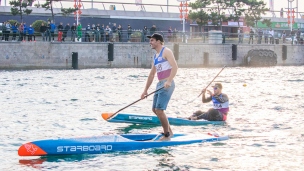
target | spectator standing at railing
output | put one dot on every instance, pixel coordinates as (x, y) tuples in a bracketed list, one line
[(153, 29), (14, 30), (102, 33), (48, 31), (293, 33), (298, 36), (60, 32), (119, 30), (24, 31), (79, 32), (260, 35), (30, 31), (94, 34), (52, 30), (3, 29), (8, 30), (65, 31), (251, 33), (87, 33), (73, 32), (284, 36), (108, 32), (175, 35), (97, 34), (266, 34), (170, 34), (271, 36), (43, 31), (129, 32), (114, 32), (144, 34), (20, 29), (241, 35)]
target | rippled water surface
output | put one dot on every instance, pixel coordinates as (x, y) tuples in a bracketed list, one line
[(265, 122)]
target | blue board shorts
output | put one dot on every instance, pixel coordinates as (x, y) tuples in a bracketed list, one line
[(162, 97)]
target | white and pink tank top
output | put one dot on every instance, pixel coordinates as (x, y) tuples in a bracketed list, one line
[(163, 67)]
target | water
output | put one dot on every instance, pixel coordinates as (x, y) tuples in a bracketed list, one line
[(265, 121)]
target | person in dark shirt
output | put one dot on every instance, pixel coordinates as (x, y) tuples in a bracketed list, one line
[(48, 31), (119, 30), (220, 108), (251, 36), (65, 31), (129, 30), (153, 29), (145, 32), (73, 31), (102, 32), (43, 31)]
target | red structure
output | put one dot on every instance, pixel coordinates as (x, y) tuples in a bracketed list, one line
[(77, 13), (183, 10)]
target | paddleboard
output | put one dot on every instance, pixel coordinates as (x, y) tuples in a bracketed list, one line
[(109, 143), (153, 120)]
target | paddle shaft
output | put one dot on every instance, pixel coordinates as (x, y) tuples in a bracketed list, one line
[(136, 101), (212, 80)]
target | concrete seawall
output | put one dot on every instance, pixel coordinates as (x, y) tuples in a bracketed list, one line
[(47, 55)]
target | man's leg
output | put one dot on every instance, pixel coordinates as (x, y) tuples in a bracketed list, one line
[(164, 121), (160, 102)]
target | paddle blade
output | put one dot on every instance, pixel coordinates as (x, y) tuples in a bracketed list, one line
[(107, 116), (30, 149)]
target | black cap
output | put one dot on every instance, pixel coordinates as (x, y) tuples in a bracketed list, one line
[(157, 36)]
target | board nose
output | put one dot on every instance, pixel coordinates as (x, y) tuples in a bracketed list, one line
[(30, 149), (106, 115)]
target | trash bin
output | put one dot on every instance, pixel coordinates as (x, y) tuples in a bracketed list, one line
[(277, 41)]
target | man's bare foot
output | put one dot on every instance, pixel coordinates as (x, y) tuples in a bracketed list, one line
[(166, 137), (163, 138)]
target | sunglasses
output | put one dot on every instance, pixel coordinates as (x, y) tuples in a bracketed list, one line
[(215, 88)]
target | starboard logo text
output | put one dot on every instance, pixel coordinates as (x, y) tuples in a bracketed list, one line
[(140, 118), (84, 148)]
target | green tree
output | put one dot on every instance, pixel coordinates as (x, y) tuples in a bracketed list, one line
[(255, 9), (238, 10), (48, 5), (20, 7), (220, 7), (214, 8), (198, 13), (67, 11), (267, 22)]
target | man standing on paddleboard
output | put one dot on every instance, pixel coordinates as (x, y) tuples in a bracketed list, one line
[(220, 108), (164, 64)]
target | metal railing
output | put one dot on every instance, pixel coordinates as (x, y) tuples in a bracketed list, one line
[(169, 37)]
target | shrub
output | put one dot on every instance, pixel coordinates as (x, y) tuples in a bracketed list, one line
[(36, 25), (12, 22)]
